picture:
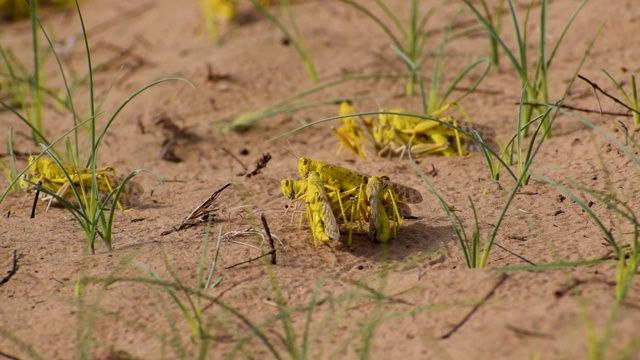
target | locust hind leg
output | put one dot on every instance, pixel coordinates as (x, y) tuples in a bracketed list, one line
[(378, 218), (397, 216), (105, 178)]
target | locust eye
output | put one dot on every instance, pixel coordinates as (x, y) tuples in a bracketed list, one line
[(285, 182), (305, 161)]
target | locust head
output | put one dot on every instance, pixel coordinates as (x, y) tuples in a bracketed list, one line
[(33, 165), (293, 189), (304, 166), (286, 186)]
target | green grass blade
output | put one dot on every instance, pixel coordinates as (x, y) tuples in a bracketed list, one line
[(214, 263), (438, 70), (456, 224), (24, 346), (244, 123), (375, 19), (461, 75), (585, 208), (98, 141), (634, 103), (33, 128), (475, 239), (69, 101), (522, 37), (172, 294), (552, 266), (564, 31), (394, 19), (299, 39), (13, 169), (112, 199), (492, 32), (415, 75), (91, 162), (294, 41), (618, 86), (541, 83), (37, 64), (251, 118), (627, 151)]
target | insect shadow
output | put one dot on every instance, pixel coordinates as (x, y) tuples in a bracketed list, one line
[(413, 238)]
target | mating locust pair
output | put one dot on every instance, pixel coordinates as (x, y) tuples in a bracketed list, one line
[(336, 194)]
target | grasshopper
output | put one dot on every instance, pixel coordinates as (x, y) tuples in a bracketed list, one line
[(345, 205), (371, 199), (217, 13), (393, 133), (378, 218), (373, 205), (345, 179), (48, 174), (355, 132), (340, 201), (324, 225)]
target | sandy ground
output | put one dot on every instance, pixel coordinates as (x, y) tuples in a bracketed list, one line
[(422, 285)]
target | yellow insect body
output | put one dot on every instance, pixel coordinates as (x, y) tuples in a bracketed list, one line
[(354, 197), (18, 9), (355, 134), (344, 204), (324, 225), (51, 177), (392, 133), (346, 179), (378, 220), (381, 203), (217, 13)]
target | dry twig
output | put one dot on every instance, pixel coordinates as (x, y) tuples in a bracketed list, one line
[(200, 214), (272, 248), (476, 307), (261, 164), (598, 88), (14, 268)]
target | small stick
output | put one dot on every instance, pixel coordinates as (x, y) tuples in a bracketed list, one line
[(527, 332), (14, 268), (271, 252), (236, 159), (514, 254), (198, 214), (10, 357), (35, 201), (272, 248), (626, 132), (598, 88), (575, 108), (475, 308), (248, 261), (261, 164)]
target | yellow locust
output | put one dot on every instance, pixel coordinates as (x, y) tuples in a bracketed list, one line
[(324, 225), (392, 133), (50, 176), (354, 197)]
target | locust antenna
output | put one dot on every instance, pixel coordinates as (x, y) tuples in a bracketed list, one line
[(290, 152), (385, 166)]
